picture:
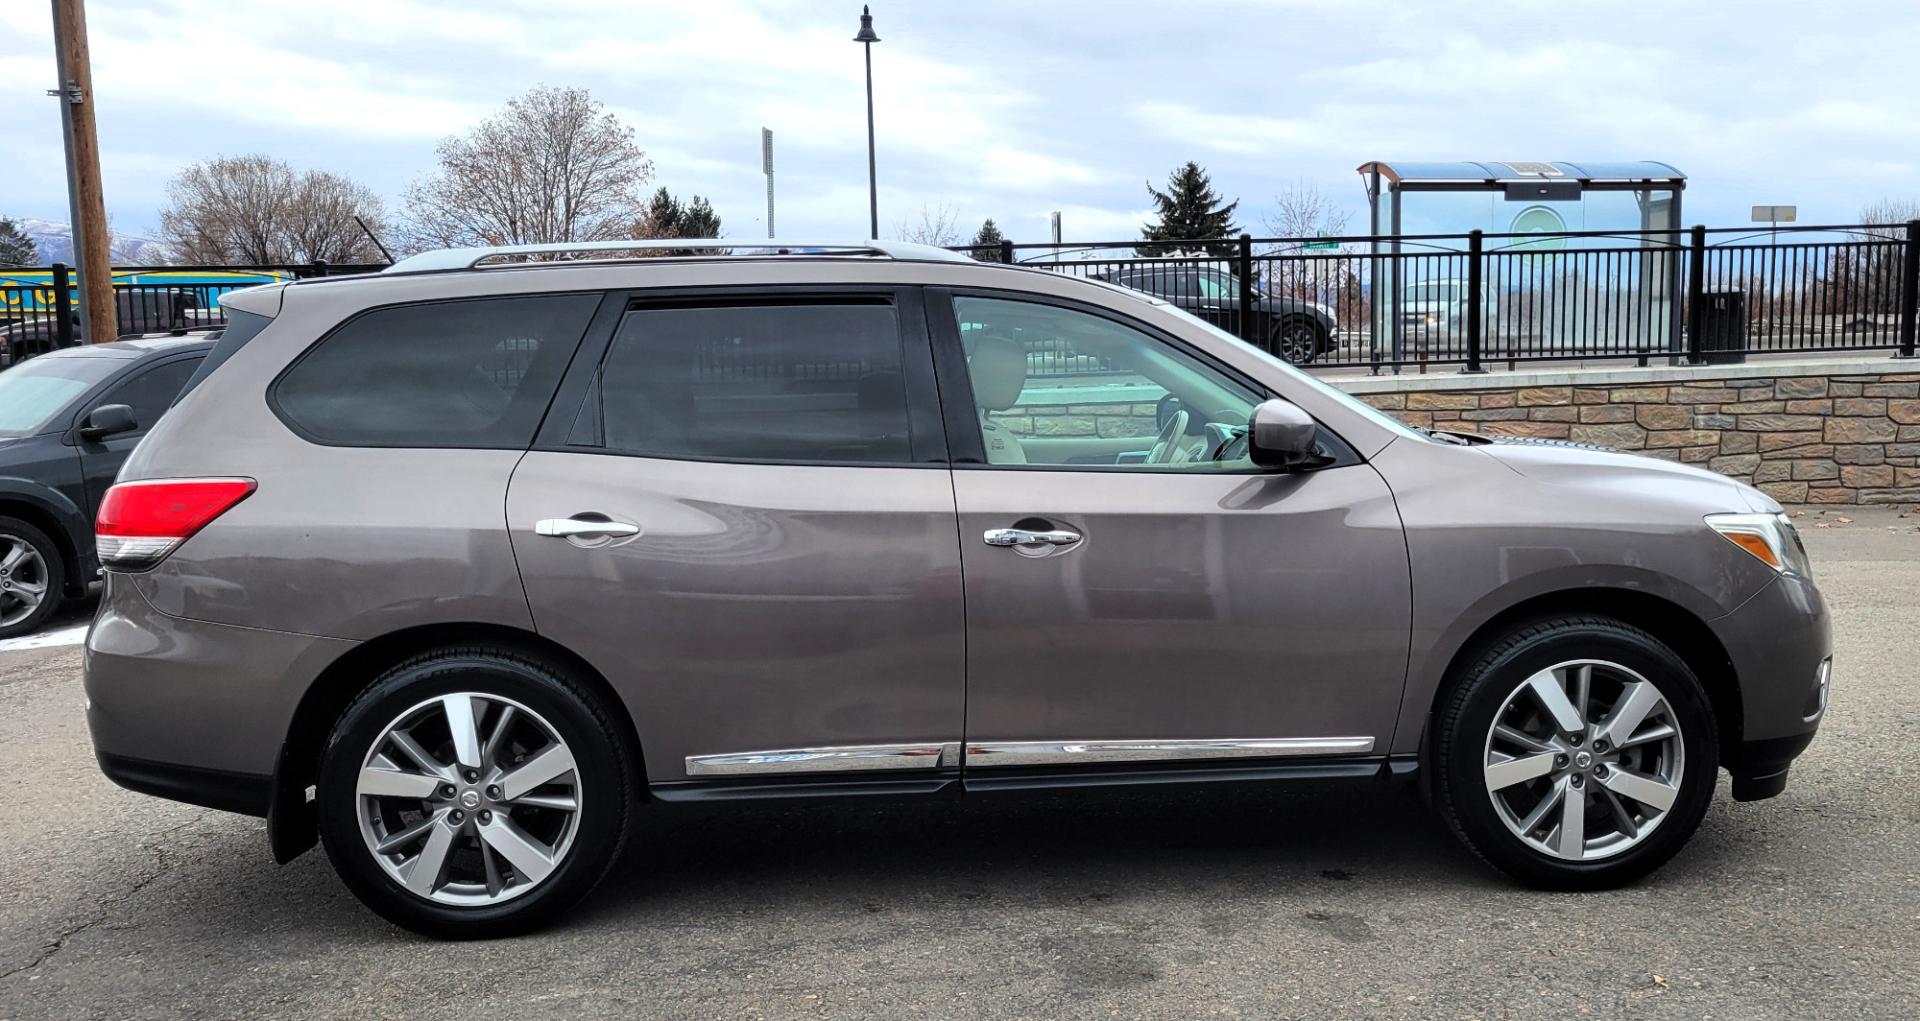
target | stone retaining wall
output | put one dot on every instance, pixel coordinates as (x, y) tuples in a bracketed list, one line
[(1823, 436)]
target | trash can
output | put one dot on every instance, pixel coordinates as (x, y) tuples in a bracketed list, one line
[(1723, 327)]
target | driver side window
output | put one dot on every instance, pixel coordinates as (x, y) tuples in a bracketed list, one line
[(1056, 386)]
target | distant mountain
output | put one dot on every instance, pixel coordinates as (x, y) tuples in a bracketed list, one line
[(55, 244)]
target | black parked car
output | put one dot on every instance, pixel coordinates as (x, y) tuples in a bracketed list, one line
[(1298, 331), (68, 419)]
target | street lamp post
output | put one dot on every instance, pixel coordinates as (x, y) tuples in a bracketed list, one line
[(866, 39)]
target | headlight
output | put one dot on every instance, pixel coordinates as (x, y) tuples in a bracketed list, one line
[(1771, 538)]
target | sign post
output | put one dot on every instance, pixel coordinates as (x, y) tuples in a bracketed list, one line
[(766, 165), (1774, 216)]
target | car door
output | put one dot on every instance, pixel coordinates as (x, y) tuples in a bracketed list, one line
[(1185, 611), (149, 389), (740, 514)]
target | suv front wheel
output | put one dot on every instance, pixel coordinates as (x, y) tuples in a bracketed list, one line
[(474, 793), (32, 577), (1576, 753)]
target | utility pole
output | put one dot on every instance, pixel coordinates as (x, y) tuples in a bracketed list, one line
[(87, 206)]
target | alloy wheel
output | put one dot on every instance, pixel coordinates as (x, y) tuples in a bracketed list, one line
[(468, 799), (1584, 759), (23, 580), (1297, 342)]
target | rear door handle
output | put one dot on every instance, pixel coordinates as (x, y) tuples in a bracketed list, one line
[(571, 528), (1022, 537)]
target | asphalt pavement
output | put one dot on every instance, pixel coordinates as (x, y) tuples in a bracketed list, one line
[(1197, 902)]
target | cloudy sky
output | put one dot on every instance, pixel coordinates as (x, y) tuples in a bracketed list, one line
[(1001, 108)]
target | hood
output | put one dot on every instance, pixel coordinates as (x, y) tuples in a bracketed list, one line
[(1423, 307), (1560, 462)]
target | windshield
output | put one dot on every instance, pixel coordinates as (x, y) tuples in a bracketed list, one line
[(1431, 291), (1354, 404), (33, 392)]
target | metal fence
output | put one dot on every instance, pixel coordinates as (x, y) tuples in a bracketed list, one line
[(1481, 299), (40, 308), (1385, 303)]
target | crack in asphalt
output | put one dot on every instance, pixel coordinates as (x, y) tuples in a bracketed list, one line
[(164, 863)]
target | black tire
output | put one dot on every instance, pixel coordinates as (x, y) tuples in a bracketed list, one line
[(1466, 715), (1298, 340), (603, 758), (52, 573)]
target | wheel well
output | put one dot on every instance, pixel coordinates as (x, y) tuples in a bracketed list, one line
[(1677, 628), (290, 822), (38, 517)]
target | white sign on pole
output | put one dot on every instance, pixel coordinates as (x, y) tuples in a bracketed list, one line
[(1775, 214)]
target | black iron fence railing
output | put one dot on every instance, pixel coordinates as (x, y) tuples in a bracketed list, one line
[(1481, 299), (40, 308), (1384, 303)]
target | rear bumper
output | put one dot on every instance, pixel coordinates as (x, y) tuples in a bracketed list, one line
[(211, 788), (1782, 649), (190, 710)]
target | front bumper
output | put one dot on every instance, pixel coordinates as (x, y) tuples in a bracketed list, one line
[(191, 710), (1781, 646)]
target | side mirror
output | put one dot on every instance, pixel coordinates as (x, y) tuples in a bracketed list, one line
[(108, 420), (1280, 435)]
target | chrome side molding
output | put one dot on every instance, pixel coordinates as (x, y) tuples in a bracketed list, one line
[(1064, 753), (842, 758)]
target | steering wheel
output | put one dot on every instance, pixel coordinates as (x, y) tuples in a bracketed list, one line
[(1165, 444)]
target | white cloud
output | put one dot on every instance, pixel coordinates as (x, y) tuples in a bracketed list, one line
[(999, 108)]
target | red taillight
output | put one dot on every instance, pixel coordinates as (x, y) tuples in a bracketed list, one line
[(141, 522)]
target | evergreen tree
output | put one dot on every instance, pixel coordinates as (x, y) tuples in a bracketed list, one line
[(662, 218), (16, 249), (1189, 210), (698, 220), (986, 243)]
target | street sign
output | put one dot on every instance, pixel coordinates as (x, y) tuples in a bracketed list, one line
[(1775, 214), (1321, 245)]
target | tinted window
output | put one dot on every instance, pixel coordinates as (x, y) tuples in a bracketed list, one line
[(447, 374), (241, 328), (150, 392), (33, 392), (764, 383)]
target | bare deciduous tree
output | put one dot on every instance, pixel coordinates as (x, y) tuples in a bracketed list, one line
[(1304, 211), (552, 166), (256, 210), (935, 225)]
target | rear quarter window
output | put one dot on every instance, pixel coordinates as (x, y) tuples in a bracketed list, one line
[(473, 373)]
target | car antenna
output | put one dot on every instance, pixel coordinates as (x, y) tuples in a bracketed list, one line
[(371, 236)]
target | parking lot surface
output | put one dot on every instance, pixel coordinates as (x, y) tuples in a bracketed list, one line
[(1192, 902)]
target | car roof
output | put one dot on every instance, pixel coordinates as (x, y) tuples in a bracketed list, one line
[(135, 347)]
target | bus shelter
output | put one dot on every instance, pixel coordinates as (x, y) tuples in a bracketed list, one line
[(1593, 242)]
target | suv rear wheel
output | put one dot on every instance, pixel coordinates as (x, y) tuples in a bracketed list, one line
[(474, 793), (1298, 340), (1576, 753), (32, 577)]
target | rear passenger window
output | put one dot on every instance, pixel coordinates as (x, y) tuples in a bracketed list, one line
[(765, 383), (447, 374)]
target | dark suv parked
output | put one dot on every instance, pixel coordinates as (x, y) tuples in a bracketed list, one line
[(68, 420), (1297, 331)]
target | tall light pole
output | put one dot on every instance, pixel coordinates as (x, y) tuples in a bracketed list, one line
[(866, 39)]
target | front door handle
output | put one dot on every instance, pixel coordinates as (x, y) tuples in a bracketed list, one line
[(1022, 537), (574, 528)]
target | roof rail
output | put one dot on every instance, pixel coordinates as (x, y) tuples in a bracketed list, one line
[(470, 258)]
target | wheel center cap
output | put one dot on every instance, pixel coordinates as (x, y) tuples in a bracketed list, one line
[(1583, 759), (470, 799)]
